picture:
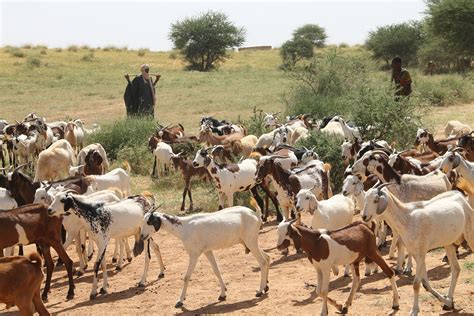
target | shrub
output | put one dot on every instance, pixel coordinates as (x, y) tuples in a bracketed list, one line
[(58, 49), (141, 52), (73, 48), (343, 45), (41, 47), (27, 46), (254, 124), (88, 57), (444, 90), (328, 148), (33, 62), (130, 132), (173, 55), (43, 52), (294, 50), (15, 52), (139, 158)]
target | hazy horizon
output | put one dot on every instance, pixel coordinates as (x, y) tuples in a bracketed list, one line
[(146, 24)]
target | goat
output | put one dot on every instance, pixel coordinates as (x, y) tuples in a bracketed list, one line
[(442, 221), (456, 129), (54, 161), (83, 161), (20, 282), (116, 178), (206, 136), (230, 226), (170, 133), (31, 224), (188, 171), (467, 142), (408, 188), (229, 178), (6, 201), (350, 149), (244, 145), (162, 154), (325, 249), (425, 138), (102, 221), (465, 169)]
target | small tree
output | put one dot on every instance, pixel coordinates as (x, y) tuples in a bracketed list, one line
[(313, 33), (393, 40), (295, 50), (203, 40)]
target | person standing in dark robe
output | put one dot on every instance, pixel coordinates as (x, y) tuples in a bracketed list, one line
[(140, 98)]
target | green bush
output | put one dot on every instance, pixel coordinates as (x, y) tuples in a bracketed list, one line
[(444, 90), (254, 124), (27, 46), (16, 52), (328, 148), (73, 48), (126, 139), (43, 52), (58, 49), (139, 158), (33, 62), (88, 57), (141, 52)]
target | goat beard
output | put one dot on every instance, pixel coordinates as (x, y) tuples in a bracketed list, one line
[(138, 247)]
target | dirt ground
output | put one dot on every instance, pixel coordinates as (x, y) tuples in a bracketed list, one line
[(287, 295)]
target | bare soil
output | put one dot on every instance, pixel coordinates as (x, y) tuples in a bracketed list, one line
[(287, 295)]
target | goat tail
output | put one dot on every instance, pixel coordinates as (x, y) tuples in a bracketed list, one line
[(126, 166), (35, 259), (254, 204), (327, 167)]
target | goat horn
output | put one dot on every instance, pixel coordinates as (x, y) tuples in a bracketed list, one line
[(20, 166), (48, 187), (383, 185), (293, 220), (458, 149)]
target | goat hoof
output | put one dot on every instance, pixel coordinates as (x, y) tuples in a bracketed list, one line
[(59, 264), (129, 259), (299, 251), (44, 298), (141, 284), (103, 291), (93, 296), (407, 272), (266, 289), (118, 268), (161, 275), (445, 259), (70, 295), (396, 307), (114, 260), (447, 308), (367, 274), (89, 258), (344, 310), (179, 305), (259, 294), (222, 298), (285, 252), (79, 273), (398, 272), (346, 275)]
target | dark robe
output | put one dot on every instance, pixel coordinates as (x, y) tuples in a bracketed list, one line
[(139, 98)]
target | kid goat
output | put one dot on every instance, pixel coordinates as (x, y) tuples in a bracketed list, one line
[(348, 245), (231, 226)]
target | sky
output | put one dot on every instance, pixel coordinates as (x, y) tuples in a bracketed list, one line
[(146, 24)]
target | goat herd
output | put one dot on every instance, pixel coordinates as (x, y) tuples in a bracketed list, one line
[(425, 195)]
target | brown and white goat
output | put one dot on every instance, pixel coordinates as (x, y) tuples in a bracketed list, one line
[(348, 245), (20, 282), (31, 224), (423, 137)]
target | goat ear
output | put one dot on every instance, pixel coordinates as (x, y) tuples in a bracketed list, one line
[(456, 161), (155, 221), (382, 204)]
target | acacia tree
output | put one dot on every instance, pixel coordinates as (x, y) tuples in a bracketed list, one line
[(313, 33), (203, 40), (301, 46), (401, 40)]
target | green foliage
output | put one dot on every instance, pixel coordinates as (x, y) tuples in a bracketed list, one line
[(444, 90), (141, 52), (131, 132), (401, 40), (58, 49), (328, 148), (27, 46), (33, 62), (139, 158), (43, 52), (343, 45), (453, 22), (254, 124), (469, 265), (88, 57), (16, 52), (313, 33), (72, 48), (203, 40), (295, 50)]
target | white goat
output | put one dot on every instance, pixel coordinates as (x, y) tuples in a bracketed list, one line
[(456, 129), (6, 201), (54, 161), (228, 178), (203, 233), (116, 178), (442, 221), (454, 161), (163, 154), (103, 222)]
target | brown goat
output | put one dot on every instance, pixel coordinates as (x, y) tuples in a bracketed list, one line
[(20, 282), (188, 171), (325, 249), (170, 133), (438, 146), (93, 163), (31, 224)]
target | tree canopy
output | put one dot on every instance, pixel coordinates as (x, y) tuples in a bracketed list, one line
[(204, 39)]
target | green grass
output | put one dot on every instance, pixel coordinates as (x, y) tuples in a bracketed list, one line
[(469, 266)]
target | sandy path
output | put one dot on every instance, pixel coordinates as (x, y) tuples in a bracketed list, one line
[(287, 294)]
